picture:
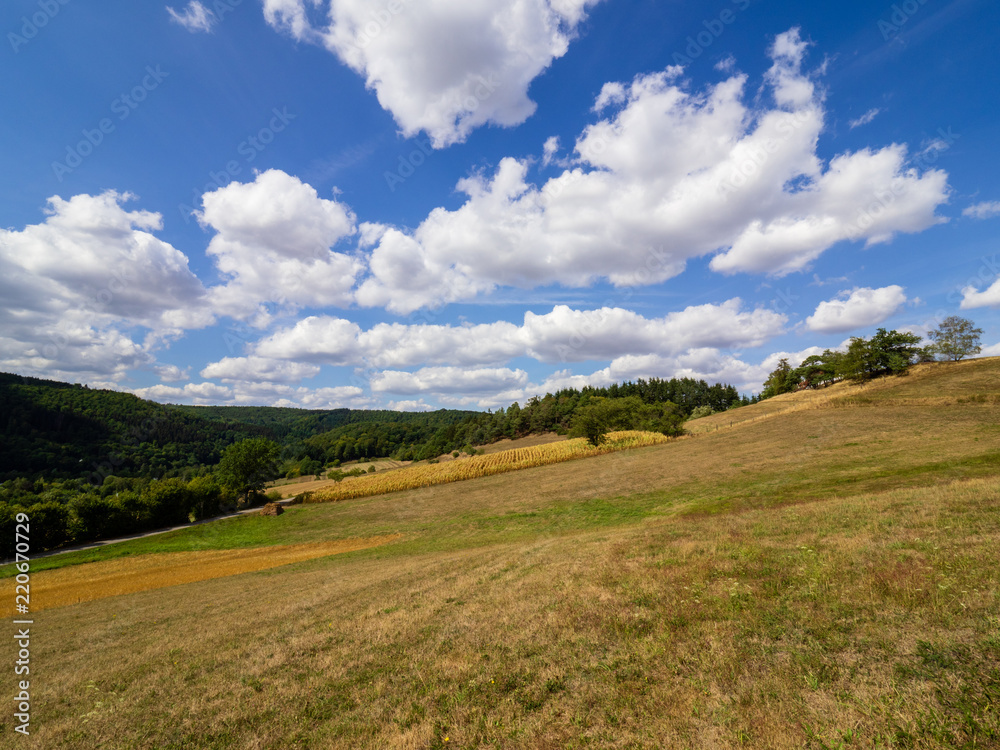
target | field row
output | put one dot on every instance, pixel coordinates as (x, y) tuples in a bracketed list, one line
[(473, 467)]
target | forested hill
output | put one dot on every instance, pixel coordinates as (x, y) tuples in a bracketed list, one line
[(553, 412), (286, 424), (62, 431), (59, 430)]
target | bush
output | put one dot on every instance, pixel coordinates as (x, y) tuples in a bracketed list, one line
[(371, 469), (168, 503), (302, 497), (49, 525), (206, 498), (273, 496), (701, 411), (93, 517)]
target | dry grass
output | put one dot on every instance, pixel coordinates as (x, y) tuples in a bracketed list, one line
[(475, 467), (99, 580), (825, 579)]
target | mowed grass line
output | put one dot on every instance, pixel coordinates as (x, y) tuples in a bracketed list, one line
[(100, 580)]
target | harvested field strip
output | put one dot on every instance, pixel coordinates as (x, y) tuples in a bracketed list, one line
[(99, 580), (473, 467)]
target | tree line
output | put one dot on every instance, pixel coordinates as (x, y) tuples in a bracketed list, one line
[(885, 353), (553, 412)]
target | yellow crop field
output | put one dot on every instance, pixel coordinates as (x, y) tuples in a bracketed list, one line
[(127, 575), (473, 467)]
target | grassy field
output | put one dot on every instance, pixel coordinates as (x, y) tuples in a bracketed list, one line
[(821, 574), (476, 467)]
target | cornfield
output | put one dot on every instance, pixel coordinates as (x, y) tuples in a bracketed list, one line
[(473, 467)]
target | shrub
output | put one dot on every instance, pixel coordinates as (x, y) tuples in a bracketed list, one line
[(49, 525), (93, 517), (302, 497), (206, 498)]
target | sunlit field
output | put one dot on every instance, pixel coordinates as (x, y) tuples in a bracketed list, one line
[(824, 577), (473, 467)]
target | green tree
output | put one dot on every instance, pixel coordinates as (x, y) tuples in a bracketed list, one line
[(892, 352), (602, 415), (956, 338), (246, 466), (886, 353), (206, 497), (820, 369), (783, 379)]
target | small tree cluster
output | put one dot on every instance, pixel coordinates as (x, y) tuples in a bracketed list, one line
[(885, 353), (603, 415)]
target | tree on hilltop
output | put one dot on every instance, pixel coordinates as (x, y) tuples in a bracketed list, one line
[(783, 379), (956, 338)]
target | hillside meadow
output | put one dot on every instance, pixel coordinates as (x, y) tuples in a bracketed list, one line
[(818, 570)]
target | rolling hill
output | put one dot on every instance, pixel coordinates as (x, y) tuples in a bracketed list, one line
[(816, 570)]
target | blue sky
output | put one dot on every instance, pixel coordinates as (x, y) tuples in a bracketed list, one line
[(419, 204)]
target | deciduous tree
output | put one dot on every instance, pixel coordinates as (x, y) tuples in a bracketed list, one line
[(246, 466), (956, 338)]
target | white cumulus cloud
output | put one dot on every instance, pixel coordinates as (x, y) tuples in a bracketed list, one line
[(449, 380), (91, 291), (232, 369), (973, 298), (561, 335), (860, 308), (444, 67), (667, 175), (273, 244)]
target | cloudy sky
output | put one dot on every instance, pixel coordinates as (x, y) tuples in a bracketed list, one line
[(462, 203)]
